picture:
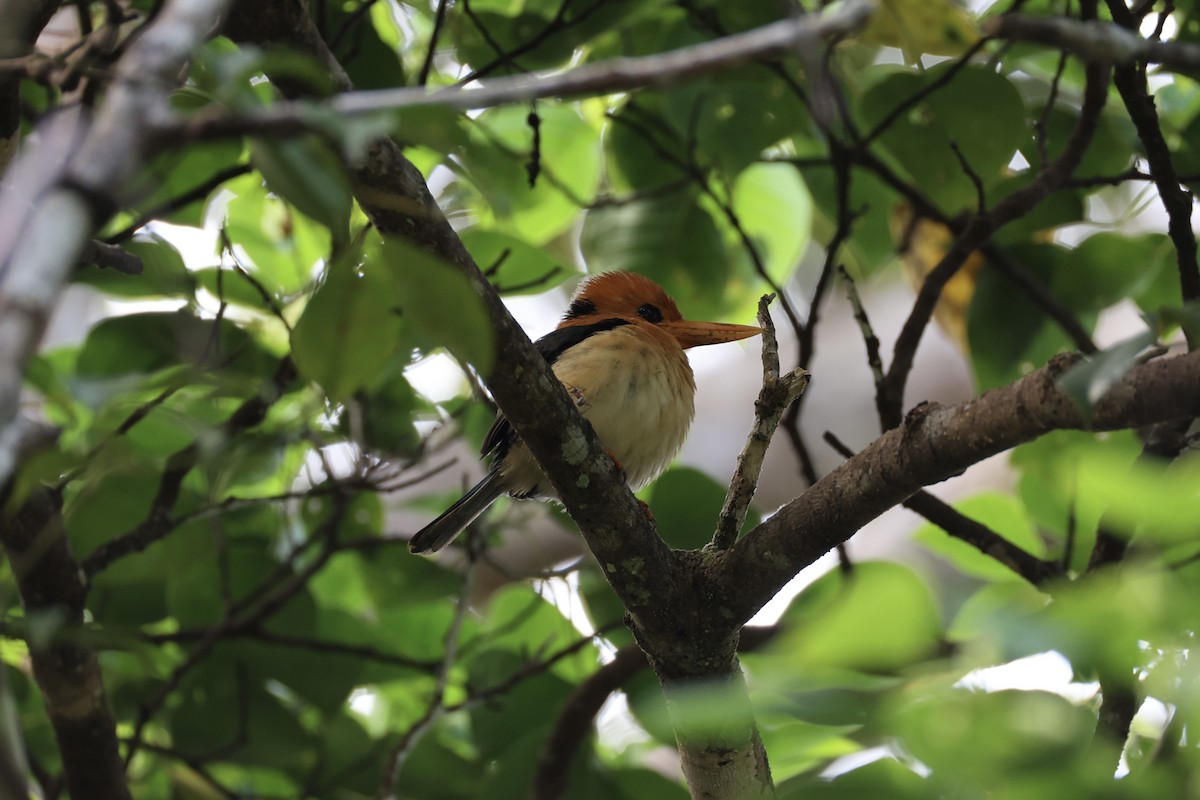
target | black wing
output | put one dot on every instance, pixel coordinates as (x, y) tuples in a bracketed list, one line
[(551, 346)]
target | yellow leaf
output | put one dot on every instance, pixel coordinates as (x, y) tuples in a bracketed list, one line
[(922, 244), (937, 27)]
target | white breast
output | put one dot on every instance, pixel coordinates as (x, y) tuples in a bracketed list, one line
[(639, 397)]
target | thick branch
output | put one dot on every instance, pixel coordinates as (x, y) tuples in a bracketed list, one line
[(934, 443), (67, 671)]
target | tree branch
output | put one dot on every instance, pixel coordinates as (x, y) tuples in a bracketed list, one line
[(983, 226), (777, 393), (1095, 41), (1130, 81), (67, 672), (606, 77), (934, 443), (57, 194)]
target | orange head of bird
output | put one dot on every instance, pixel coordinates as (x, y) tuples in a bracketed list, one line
[(640, 301)]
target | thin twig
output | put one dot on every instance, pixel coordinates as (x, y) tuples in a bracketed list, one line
[(436, 707), (439, 18), (777, 393)]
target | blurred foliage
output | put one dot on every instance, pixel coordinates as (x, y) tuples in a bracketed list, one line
[(275, 638)]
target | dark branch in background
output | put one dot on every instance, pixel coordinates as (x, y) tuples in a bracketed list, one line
[(575, 719), (806, 336), (159, 522), (1039, 127), (777, 393), (976, 534), (67, 673), (1130, 81), (980, 228), (871, 342), (439, 19), (934, 443), (199, 192), (579, 710), (1118, 705), (436, 706)]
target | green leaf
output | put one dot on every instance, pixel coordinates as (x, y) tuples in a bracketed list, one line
[(1008, 333), (878, 618), (349, 329), (1088, 382), (282, 250), (686, 505), (980, 111), (982, 739), (1113, 144), (147, 342), (1144, 497), (775, 210), (304, 172), (1107, 268), (672, 240), (513, 265), (437, 301), (496, 161)]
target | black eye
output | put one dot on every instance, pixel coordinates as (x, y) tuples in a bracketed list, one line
[(650, 313)]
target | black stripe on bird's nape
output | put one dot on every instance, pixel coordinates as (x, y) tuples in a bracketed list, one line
[(557, 342), (580, 307), (551, 346)]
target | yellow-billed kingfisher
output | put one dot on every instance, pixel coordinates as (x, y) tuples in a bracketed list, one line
[(619, 353)]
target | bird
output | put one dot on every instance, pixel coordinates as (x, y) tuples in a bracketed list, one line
[(619, 351)]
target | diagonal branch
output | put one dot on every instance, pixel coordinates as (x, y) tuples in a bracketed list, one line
[(67, 671)]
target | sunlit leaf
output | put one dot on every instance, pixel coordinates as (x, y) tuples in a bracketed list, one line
[(349, 328), (437, 301)]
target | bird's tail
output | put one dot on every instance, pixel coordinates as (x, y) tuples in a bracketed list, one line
[(453, 520)]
